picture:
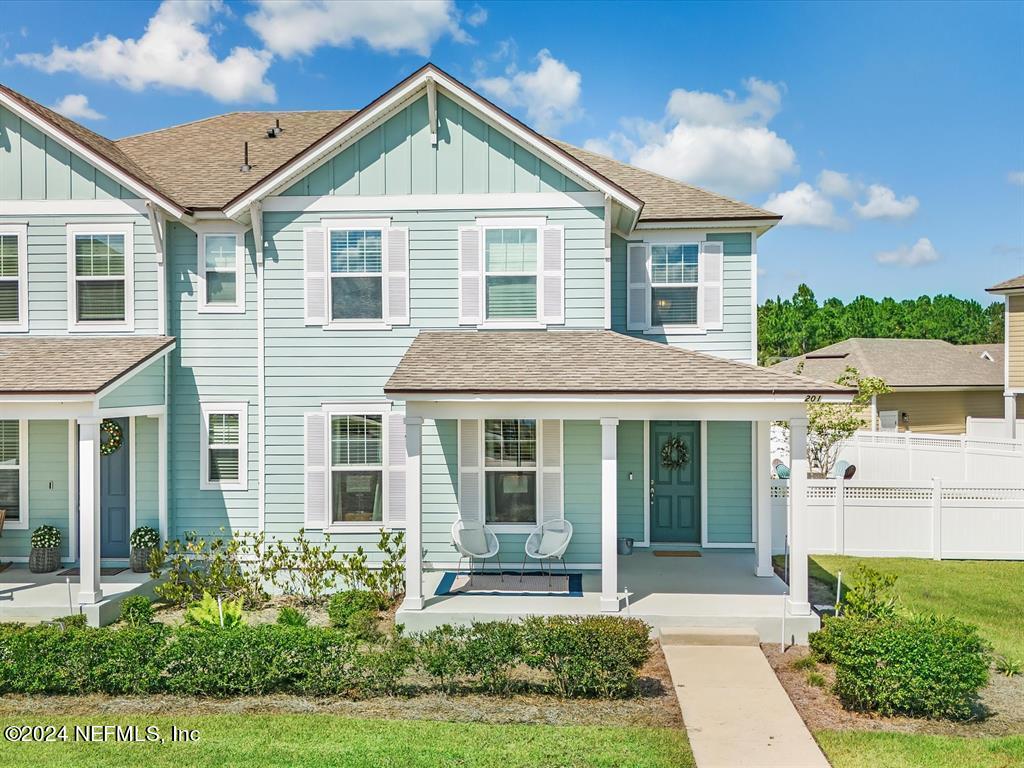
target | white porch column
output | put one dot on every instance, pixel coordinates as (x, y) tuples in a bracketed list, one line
[(413, 515), (609, 510), (763, 457), (1010, 414), (89, 510), (798, 603)]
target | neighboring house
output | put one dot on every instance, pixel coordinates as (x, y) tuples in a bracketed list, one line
[(398, 316), (1012, 292), (936, 386)]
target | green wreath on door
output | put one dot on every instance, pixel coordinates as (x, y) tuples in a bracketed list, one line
[(114, 437), (674, 454)]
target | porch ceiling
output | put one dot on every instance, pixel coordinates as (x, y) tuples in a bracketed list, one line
[(40, 365)]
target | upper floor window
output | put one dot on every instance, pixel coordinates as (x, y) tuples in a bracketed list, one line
[(100, 279), (13, 278), (12, 487), (356, 260), (510, 471), (674, 283), (223, 459), (510, 274), (357, 468), (222, 273), (675, 287)]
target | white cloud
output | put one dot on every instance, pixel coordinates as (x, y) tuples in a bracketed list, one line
[(477, 16), (1016, 177), (921, 252), (550, 94), (720, 141), (174, 52), (76, 106), (836, 184), (882, 203), (297, 27), (804, 206)]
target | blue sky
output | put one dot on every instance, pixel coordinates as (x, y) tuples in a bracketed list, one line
[(891, 135)]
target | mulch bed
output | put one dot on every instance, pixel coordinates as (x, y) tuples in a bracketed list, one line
[(1001, 712)]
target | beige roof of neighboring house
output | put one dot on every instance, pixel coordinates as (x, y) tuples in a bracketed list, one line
[(905, 362), (31, 365), (1008, 285), (578, 362)]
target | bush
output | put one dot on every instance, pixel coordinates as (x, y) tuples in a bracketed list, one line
[(137, 611), (292, 617), (387, 582), (344, 608), (870, 595), (45, 536), (587, 655), (211, 612), (441, 654), (491, 652), (915, 665), (144, 537)]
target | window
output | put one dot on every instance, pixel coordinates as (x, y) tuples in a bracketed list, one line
[(100, 295), (222, 273), (674, 283), (510, 274), (11, 480), (224, 444), (357, 468), (510, 469), (356, 266), (13, 278)]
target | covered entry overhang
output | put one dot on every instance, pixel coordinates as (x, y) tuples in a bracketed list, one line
[(81, 381), (610, 378)]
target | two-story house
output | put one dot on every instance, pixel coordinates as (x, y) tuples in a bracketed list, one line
[(404, 316), (1012, 292)]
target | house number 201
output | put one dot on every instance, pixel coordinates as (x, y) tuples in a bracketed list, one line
[(812, 399)]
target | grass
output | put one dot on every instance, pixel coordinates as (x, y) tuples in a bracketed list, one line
[(327, 740), (872, 749), (984, 593)]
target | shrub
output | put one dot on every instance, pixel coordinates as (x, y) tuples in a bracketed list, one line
[(74, 620), (343, 607), (491, 652), (312, 568), (386, 582), (137, 611), (144, 537), (45, 536), (587, 655), (870, 595), (387, 662), (215, 612), (228, 567), (292, 617), (441, 654), (915, 665)]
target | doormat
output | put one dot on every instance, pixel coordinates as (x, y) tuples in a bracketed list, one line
[(676, 553), (508, 583), (103, 572)]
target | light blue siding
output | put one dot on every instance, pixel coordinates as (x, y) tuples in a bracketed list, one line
[(582, 483), (396, 158), (144, 388), (440, 480), (729, 482), (35, 167), (632, 495), (147, 511)]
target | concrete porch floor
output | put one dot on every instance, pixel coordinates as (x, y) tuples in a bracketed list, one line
[(33, 597), (717, 589)]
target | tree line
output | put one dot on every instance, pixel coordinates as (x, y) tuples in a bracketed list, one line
[(791, 327)]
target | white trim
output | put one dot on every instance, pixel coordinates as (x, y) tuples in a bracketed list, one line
[(753, 295), (724, 225), (704, 484), (129, 410), (71, 208), (502, 223), (21, 523), (355, 408), (330, 226), (442, 202), (355, 223), (237, 307), (132, 509), (127, 231), (608, 264), (513, 222), (158, 227), (73, 489), (527, 397), (537, 468), (241, 409), (20, 231), (256, 219)]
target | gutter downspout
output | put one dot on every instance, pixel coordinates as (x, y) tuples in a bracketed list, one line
[(256, 217)]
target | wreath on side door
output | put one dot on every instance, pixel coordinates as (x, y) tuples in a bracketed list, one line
[(674, 454), (111, 437)]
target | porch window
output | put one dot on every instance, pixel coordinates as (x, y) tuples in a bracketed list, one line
[(357, 468), (10, 469), (510, 274), (13, 278), (100, 278), (224, 448), (674, 283), (510, 469), (221, 270), (356, 266)]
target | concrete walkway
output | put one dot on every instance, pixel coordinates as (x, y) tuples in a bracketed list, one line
[(736, 712)]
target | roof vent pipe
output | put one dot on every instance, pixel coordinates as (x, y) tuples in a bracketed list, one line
[(245, 167), (276, 130)]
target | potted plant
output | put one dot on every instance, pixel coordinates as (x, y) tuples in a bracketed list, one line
[(45, 554), (143, 540)]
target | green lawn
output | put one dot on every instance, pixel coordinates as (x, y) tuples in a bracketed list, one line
[(985, 593), (326, 740), (859, 749)]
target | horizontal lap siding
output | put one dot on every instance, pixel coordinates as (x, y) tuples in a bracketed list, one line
[(582, 457), (144, 388), (1015, 341), (147, 510), (943, 413), (632, 496), (440, 489), (729, 482)]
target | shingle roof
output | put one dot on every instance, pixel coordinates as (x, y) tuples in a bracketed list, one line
[(1009, 285), (578, 362), (905, 362), (71, 366)]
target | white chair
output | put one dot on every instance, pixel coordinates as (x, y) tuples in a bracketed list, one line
[(477, 542), (548, 542)]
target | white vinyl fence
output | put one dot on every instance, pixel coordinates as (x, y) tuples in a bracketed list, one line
[(990, 427), (928, 520), (888, 457)]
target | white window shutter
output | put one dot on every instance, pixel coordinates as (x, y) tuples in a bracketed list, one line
[(470, 472), (470, 276), (395, 514), (551, 504), (638, 292), (316, 471), (552, 300), (711, 260), (315, 258), (396, 271)]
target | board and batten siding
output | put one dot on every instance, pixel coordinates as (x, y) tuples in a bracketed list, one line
[(214, 360), (1015, 342), (735, 340), (729, 482)]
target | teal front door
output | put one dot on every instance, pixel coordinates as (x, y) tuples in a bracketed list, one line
[(675, 492), (115, 488)]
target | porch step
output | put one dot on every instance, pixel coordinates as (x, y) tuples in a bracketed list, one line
[(717, 636)]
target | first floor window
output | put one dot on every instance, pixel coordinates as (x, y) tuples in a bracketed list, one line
[(100, 278), (224, 446), (510, 469), (10, 279), (357, 468), (357, 274), (10, 469), (221, 267), (510, 274), (674, 281)]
